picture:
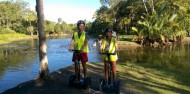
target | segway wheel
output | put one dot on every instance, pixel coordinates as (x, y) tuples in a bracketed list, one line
[(102, 83), (72, 80), (118, 87), (87, 82)]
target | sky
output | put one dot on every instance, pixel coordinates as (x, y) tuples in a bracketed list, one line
[(69, 10)]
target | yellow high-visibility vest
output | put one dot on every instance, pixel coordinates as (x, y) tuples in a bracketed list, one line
[(79, 42), (112, 49)]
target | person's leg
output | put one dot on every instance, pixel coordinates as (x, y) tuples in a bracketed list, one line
[(113, 68), (106, 70), (77, 71), (84, 59), (84, 68), (75, 64)]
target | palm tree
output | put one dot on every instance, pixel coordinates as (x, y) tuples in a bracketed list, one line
[(44, 71)]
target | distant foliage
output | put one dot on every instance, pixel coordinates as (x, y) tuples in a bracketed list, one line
[(16, 16), (164, 20)]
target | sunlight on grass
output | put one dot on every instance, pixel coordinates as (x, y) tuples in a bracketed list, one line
[(139, 79), (6, 38)]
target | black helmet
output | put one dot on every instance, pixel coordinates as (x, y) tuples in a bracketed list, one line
[(80, 22), (108, 29)]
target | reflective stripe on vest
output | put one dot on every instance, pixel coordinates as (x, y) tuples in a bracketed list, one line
[(79, 42), (111, 50)]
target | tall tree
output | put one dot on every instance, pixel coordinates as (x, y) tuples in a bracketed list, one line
[(44, 71), (58, 29), (12, 15), (49, 27), (30, 16)]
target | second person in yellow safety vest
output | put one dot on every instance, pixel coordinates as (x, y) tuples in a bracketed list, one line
[(109, 45), (80, 42)]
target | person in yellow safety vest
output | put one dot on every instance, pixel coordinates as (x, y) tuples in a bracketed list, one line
[(80, 42), (109, 45)]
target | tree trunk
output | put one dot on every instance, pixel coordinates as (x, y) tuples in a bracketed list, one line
[(7, 23), (31, 33), (43, 71)]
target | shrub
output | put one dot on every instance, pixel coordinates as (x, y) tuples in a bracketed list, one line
[(7, 31)]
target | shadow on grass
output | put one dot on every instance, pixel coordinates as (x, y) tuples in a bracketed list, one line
[(144, 81)]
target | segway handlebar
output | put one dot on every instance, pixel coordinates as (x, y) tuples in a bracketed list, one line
[(109, 53), (75, 50)]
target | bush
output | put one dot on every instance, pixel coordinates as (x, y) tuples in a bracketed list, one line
[(7, 31)]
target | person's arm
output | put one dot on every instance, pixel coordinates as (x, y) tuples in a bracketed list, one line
[(71, 44), (116, 47), (101, 47)]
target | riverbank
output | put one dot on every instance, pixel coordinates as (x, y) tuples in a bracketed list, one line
[(10, 38), (135, 79), (186, 40)]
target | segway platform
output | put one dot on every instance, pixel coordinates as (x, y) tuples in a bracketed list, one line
[(109, 87), (80, 83)]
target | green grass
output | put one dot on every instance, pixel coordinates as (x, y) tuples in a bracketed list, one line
[(145, 79), (125, 37), (7, 38), (142, 78)]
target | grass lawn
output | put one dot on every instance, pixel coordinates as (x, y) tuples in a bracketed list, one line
[(125, 37), (147, 79), (140, 78), (7, 38), (144, 78)]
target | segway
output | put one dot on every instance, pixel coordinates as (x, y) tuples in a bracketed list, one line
[(108, 86), (78, 80)]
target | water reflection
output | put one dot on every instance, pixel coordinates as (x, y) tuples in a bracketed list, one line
[(16, 63), (13, 55)]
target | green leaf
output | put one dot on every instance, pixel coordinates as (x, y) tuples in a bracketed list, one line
[(134, 29), (172, 17)]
